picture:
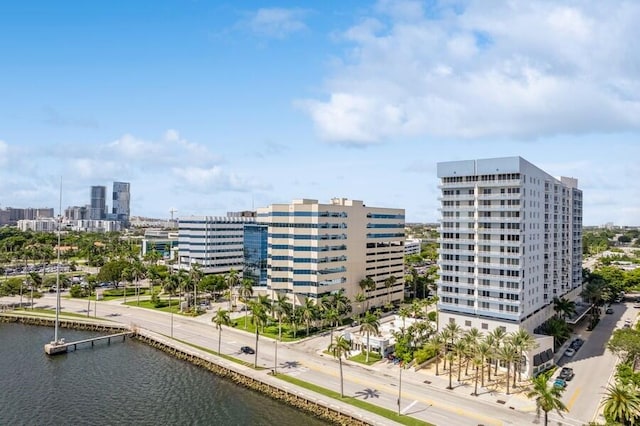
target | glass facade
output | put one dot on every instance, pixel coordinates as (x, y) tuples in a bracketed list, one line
[(255, 253)]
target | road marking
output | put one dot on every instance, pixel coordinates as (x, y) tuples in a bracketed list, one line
[(410, 406), (428, 402), (573, 398)]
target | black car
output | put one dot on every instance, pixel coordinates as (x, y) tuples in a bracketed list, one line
[(566, 374), (609, 310), (247, 350)]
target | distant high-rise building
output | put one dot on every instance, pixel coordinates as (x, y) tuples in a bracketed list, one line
[(97, 210), (121, 202)]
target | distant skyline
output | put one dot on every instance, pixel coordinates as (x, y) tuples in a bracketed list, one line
[(209, 107)]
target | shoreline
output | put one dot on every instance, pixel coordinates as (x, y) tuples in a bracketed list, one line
[(246, 377)]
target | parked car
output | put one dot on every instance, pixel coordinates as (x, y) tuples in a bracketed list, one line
[(559, 383), (570, 352), (566, 374), (609, 310), (247, 350), (576, 344)]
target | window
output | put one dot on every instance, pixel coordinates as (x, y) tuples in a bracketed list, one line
[(452, 320), (467, 323), (484, 326)]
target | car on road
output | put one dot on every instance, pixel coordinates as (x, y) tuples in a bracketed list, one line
[(570, 352), (637, 305), (566, 374), (609, 310), (247, 350), (559, 383)]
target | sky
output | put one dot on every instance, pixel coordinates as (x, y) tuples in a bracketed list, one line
[(207, 107)]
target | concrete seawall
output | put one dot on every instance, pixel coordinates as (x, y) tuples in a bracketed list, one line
[(247, 377)]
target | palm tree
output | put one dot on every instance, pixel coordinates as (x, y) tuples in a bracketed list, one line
[(564, 307), (403, 313), (478, 363), (370, 324), (508, 353), (280, 308), (245, 292), (221, 318), (459, 348), (484, 351), (340, 347), (450, 356), (360, 298), (438, 344), (367, 284), (308, 311), (333, 317), (490, 341), (621, 403), (450, 333), (232, 281), (498, 336), (471, 338), (258, 319), (388, 283), (524, 342), (547, 396)]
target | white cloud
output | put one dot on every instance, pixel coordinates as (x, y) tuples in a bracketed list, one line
[(4, 152), (212, 179), (277, 22), (491, 69)]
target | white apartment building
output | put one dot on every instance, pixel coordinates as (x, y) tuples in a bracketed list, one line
[(510, 241), (214, 243), (47, 224), (316, 249)]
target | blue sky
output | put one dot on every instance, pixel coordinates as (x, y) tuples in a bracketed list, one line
[(212, 106)]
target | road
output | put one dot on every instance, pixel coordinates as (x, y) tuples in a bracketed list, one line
[(423, 396), (594, 365)]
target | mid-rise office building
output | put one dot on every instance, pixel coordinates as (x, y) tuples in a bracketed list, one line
[(510, 241), (315, 249), (214, 243), (98, 206), (120, 207), (256, 254)]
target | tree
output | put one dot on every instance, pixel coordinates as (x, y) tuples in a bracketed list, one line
[(508, 353), (388, 283), (438, 344), (483, 350), (459, 348), (625, 343), (477, 363), (370, 324), (280, 308), (403, 313), (621, 403), (563, 307), (333, 317), (245, 292), (547, 396), (308, 312), (360, 298), (367, 284), (340, 347), (523, 342), (498, 335), (221, 318), (232, 281), (258, 319), (450, 333)]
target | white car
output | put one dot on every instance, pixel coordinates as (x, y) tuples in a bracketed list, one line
[(570, 352)]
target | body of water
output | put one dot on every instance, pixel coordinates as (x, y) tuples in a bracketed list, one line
[(125, 383)]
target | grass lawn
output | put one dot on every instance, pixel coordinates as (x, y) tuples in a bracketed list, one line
[(148, 304), (272, 330), (362, 356), (52, 312), (389, 414)]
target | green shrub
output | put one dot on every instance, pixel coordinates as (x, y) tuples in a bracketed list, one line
[(120, 292), (76, 291), (432, 315), (424, 354)]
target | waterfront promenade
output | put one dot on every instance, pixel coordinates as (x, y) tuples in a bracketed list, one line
[(424, 395)]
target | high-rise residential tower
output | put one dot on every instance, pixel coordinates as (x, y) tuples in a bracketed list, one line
[(121, 202), (315, 249), (510, 241), (97, 209)]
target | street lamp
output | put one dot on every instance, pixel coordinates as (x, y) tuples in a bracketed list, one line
[(400, 388)]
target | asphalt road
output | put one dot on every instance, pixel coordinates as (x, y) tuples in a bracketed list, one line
[(427, 401)]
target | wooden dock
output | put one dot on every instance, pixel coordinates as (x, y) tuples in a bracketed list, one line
[(54, 348)]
